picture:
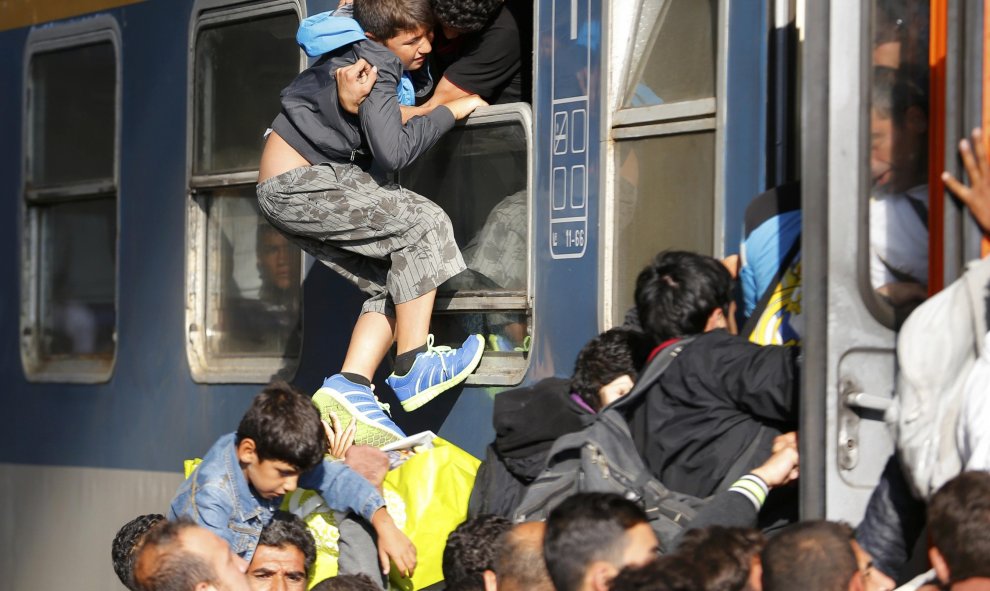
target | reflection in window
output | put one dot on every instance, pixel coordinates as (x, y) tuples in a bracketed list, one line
[(478, 174), (241, 68), (665, 201), (252, 280), (77, 278), (898, 205), (71, 265), (674, 52)]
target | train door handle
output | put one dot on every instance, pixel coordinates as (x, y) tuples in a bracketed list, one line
[(864, 401)]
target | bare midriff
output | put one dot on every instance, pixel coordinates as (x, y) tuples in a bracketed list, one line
[(278, 157)]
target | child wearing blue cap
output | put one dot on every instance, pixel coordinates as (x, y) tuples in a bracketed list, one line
[(325, 181)]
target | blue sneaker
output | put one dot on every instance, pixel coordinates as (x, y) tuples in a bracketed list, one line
[(348, 400), (435, 371)]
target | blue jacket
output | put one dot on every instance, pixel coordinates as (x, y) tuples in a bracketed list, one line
[(217, 496)]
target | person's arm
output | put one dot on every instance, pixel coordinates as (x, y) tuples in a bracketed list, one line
[(764, 381), (977, 196), (354, 83), (393, 545)]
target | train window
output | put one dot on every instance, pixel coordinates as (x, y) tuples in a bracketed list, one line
[(245, 300), (898, 141), (69, 308), (479, 174), (663, 162), (666, 73)]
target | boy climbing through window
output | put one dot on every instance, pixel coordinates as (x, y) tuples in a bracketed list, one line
[(326, 182)]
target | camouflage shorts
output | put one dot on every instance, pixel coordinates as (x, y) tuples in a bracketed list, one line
[(393, 244)]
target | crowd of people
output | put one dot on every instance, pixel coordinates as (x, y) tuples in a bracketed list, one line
[(667, 461)]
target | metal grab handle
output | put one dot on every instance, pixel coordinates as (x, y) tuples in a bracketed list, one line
[(863, 401)]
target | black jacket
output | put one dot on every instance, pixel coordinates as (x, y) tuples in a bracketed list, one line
[(313, 122), (705, 410)]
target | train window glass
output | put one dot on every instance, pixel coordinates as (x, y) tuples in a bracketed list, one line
[(673, 53), (73, 114), (244, 308), (479, 174), (69, 273), (252, 281), (241, 68), (898, 194), (665, 200)]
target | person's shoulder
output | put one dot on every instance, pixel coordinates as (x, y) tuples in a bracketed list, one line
[(376, 54)]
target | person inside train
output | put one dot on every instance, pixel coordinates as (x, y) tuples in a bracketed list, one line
[(284, 556), (470, 552), (179, 554), (812, 555), (279, 445), (716, 411), (324, 182), (591, 536), (899, 198), (127, 543)]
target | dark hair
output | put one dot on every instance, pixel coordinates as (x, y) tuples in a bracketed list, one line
[(810, 555), (678, 291), (614, 353), (726, 553), (896, 90), (347, 583), (172, 567), (471, 550), (466, 16), (385, 19), (666, 573), (520, 564), (127, 542), (285, 529), (285, 426), (959, 524), (584, 528)]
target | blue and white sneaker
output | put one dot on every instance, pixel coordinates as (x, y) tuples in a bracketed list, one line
[(348, 400), (435, 371)]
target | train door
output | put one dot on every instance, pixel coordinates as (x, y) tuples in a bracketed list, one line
[(883, 97)]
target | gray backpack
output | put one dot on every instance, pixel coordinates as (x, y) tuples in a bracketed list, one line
[(604, 458)]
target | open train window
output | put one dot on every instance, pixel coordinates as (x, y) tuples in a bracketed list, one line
[(479, 173), (69, 276), (245, 279), (664, 158), (897, 204)]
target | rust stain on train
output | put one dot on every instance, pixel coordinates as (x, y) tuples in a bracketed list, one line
[(22, 13)]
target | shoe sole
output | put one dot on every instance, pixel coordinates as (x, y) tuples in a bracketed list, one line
[(432, 392), (367, 431)]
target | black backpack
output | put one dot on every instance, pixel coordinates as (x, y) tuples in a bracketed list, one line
[(604, 458)]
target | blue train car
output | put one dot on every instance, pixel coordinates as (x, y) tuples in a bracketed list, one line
[(146, 304)]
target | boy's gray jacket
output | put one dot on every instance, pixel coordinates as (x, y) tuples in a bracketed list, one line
[(218, 497), (313, 122)]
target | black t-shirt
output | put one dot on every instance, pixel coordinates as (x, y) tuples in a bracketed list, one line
[(495, 62)]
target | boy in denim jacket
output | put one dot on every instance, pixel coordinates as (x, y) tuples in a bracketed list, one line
[(279, 445)]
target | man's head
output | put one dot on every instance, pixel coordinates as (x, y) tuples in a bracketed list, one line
[(666, 573), (899, 127), (285, 553), (347, 583), (814, 555), (279, 438), (591, 536), (682, 293), (405, 27), (458, 17), (730, 556), (181, 556), (959, 528), (471, 550), (278, 260), (127, 543), (519, 565), (608, 364)]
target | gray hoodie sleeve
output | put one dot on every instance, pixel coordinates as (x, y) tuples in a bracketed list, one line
[(394, 145)]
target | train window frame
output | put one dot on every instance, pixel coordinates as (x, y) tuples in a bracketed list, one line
[(677, 118), (200, 258), (70, 368), (496, 369)]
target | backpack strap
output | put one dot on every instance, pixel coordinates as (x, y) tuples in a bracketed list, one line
[(662, 359), (738, 468), (761, 306)]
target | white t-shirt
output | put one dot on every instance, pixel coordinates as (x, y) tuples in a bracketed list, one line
[(898, 237), (974, 420)]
